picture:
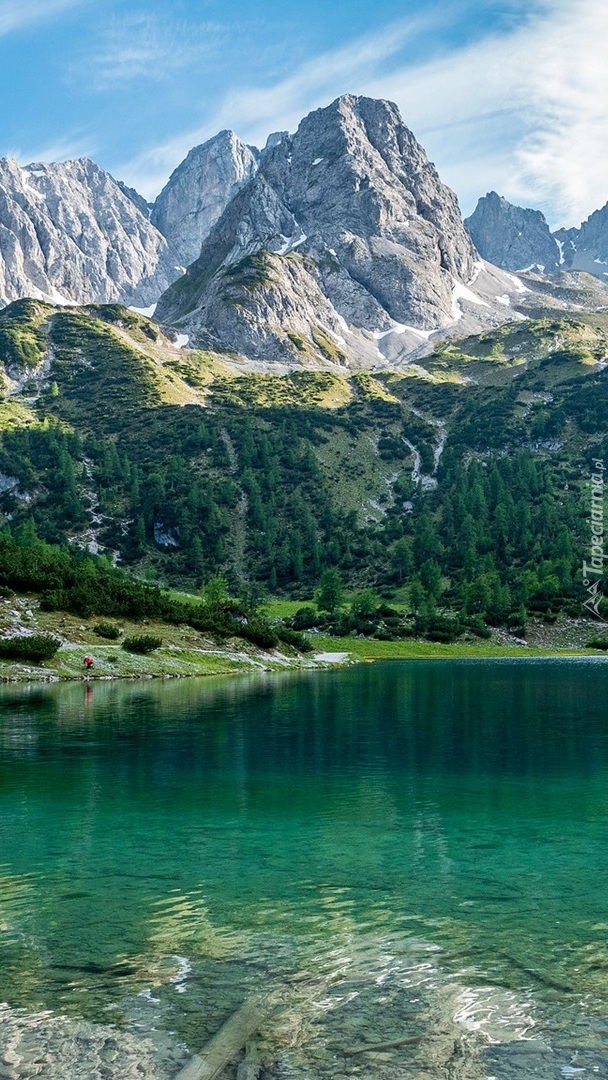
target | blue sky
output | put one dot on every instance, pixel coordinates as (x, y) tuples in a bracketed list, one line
[(503, 94)]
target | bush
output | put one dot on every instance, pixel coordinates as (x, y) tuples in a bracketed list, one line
[(295, 639), (260, 633), (142, 643), (305, 618), (106, 630), (598, 643), (31, 647)]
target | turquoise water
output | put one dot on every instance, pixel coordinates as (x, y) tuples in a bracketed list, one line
[(397, 851)]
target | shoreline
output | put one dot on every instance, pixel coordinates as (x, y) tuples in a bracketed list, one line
[(239, 661), (186, 653)]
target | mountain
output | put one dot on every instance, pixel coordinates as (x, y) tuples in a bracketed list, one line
[(587, 248), (199, 190), (465, 476), (344, 236), (518, 239), (511, 237), (70, 233)]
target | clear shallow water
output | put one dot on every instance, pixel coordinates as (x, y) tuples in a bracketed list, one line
[(394, 851)]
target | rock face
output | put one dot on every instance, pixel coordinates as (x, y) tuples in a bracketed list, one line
[(511, 237), (344, 234), (518, 239), (587, 248), (68, 232), (199, 190)]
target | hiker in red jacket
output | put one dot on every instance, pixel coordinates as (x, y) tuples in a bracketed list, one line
[(88, 662)]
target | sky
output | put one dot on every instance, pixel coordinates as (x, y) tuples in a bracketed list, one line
[(505, 95)]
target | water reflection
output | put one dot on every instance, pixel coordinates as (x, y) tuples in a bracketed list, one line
[(169, 838)]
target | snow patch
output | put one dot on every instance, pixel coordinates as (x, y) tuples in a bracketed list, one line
[(519, 285), (402, 328), (479, 266), (340, 320), (461, 292), (332, 252), (292, 242), (560, 244), (147, 311), (58, 298), (318, 160), (181, 341), (337, 337), (503, 300), (26, 177)]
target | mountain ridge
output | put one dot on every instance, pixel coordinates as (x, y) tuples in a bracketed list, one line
[(519, 239), (349, 214), (338, 244)]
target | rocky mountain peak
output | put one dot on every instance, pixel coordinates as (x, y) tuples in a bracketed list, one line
[(348, 211), (513, 237), (69, 233), (274, 139), (586, 248), (199, 190), (520, 239)]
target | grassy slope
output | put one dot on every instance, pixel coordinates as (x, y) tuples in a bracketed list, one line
[(120, 377), (184, 650), (369, 649)]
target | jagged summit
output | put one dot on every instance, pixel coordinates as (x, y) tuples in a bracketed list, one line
[(199, 190), (338, 243), (512, 237), (69, 233), (519, 239), (345, 234), (586, 248)]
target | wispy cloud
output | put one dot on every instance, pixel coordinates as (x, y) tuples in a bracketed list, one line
[(18, 14), (143, 46), (563, 155), (521, 111), (255, 111), (62, 149)]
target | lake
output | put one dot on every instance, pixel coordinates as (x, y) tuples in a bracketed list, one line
[(403, 864)]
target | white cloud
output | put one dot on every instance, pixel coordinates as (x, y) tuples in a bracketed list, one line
[(17, 14), (143, 46), (256, 111), (522, 111), (563, 156), (61, 149)]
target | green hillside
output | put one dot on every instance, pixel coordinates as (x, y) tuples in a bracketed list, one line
[(457, 484)]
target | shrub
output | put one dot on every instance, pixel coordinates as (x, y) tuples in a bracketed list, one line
[(30, 647), (260, 633), (598, 643), (142, 643), (305, 618), (106, 630), (295, 639)]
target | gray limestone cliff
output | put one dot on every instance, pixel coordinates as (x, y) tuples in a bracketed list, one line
[(199, 190), (512, 237), (344, 234), (587, 248), (519, 239), (69, 233)]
